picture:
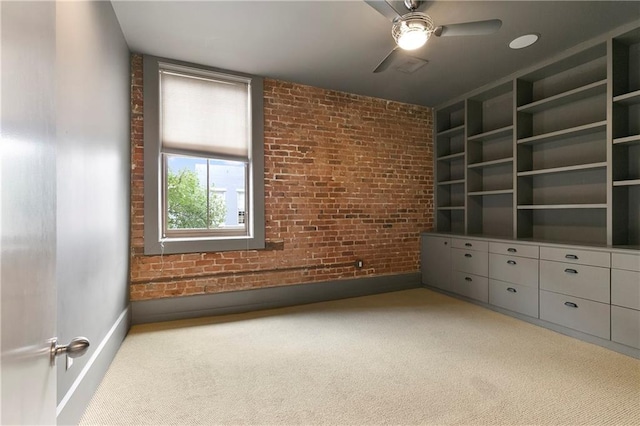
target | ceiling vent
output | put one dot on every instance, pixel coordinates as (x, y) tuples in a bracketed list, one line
[(409, 64)]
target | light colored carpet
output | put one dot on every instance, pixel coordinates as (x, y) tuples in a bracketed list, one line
[(410, 357)]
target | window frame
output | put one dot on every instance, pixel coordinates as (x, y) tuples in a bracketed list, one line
[(154, 208)]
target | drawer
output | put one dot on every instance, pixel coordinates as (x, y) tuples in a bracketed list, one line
[(473, 262), (512, 269), (515, 250), (514, 297), (625, 288), (582, 257), (625, 326), (630, 262), (471, 286), (588, 282), (576, 313), (470, 244)]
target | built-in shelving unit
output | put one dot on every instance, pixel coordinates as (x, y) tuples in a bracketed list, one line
[(626, 137), (562, 149), (490, 161), (551, 155), (450, 168)]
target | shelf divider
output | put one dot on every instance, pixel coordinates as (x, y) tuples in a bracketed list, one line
[(630, 98), (451, 182), (451, 132), (498, 162), (451, 156), (599, 87), (561, 134), (631, 182), (493, 134), (627, 139), (561, 206), (495, 192), (564, 169)]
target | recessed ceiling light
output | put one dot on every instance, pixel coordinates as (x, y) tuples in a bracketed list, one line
[(524, 41)]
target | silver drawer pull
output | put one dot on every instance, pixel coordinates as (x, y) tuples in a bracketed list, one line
[(512, 250), (512, 290), (571, 271), (467, 255), (468, 245), (571, 256), (511, 262), (570, 304), (467, 279)]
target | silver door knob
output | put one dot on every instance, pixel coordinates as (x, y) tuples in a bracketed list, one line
[(77, 347)]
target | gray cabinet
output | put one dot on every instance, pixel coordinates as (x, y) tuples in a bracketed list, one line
[(436, 261), (625, 299), (589, 282), (573, 288), (573, 312), (470, 268), (513, 277)]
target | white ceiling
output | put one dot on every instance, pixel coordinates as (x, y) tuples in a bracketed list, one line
[(337, 44)]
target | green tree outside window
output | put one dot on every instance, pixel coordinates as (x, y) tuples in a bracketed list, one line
[(187, 203)]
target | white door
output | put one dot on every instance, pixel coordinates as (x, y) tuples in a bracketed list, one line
[(28, 211)]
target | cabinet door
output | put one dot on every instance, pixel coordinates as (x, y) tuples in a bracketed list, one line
[(436, 261), (625, 326)]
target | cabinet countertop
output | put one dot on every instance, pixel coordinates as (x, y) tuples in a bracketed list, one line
[(633, 249)]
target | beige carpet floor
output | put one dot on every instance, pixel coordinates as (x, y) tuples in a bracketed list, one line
[(405, 358)]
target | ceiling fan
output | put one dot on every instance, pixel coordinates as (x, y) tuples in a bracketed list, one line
[(412, 30)]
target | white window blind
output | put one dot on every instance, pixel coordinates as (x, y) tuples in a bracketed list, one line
[(204, 115)]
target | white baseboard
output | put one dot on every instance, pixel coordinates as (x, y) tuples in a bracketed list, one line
[(75, 401)]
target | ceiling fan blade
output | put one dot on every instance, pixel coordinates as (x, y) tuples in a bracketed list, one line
[(384, 8), (469, 28), (386, 62)]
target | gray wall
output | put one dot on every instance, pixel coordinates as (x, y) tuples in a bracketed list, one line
[(93, 174)]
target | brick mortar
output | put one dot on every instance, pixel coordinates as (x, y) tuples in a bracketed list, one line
[(346, 177)]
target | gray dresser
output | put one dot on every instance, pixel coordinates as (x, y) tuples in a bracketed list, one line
[(592, 293)]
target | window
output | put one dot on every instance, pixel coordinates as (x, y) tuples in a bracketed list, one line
[(202, 134)]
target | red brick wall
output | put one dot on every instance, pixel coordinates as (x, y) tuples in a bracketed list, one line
[(346, 177)]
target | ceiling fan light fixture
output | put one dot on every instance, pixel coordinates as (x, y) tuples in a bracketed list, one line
[(412, 30)]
